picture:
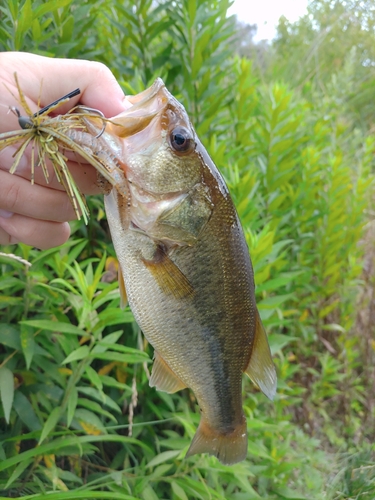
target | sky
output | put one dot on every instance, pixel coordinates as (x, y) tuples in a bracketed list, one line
[(266, 14)]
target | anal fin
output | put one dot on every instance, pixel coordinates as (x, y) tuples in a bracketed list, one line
[(168, 275), (163, 378), (261, 369)]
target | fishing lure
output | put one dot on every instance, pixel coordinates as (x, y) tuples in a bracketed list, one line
[(49, 136)]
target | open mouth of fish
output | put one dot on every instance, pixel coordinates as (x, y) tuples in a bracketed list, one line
[(153, 116)]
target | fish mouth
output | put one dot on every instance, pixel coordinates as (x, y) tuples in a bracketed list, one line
[(154, 109), (144, 107), (144, 97)]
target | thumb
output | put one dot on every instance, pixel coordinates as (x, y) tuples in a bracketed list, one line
[(99, 88)]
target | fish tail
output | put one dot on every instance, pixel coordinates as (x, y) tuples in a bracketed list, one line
[(228, 447)]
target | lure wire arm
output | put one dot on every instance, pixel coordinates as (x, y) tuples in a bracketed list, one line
[(65, 97)]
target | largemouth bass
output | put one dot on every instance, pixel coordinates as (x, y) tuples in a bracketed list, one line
[(185, 268)]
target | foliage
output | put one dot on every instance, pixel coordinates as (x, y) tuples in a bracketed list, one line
[(333, 55), (78, 419), (52, 28)]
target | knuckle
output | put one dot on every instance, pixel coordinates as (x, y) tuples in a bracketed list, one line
[(67, 211), (100, 68), (13, 196), (103, 75)]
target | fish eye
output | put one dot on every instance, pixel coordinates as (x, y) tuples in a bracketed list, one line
[(181, 140)]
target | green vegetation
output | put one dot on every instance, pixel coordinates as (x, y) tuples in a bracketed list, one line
[(292, 134)]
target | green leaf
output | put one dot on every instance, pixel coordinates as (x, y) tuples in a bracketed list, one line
[(163, 457), (72, 405), (112, 316), (54, 326), (273, 302), (94, 378), (278, 341), (51, 6), (122, 348), (122, 358), (288, 494), (26, 412), (27, 344), (258, 424), (18, 471), (6, 391), (10, 336), (112, 382), (279, 282), (25, 20), (89, 422), (80, 353), (50, 424), (36, 31), (259, 450), (160, 471), (192, 10), (96, 408), (178, 491), (148, 493), (9, 301), (112, 338), (100, 396)]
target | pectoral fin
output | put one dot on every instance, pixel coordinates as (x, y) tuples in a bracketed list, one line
[(261, 369), (121, 284), (168, 276), (163, 378)]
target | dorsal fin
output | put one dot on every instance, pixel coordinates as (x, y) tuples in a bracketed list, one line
[(261, 369)]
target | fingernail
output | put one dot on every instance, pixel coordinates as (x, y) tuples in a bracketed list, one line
[(5, 214)]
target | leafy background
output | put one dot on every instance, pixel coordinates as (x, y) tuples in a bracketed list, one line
[(290, 125)]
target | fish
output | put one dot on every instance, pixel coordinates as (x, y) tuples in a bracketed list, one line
[(185, 268), (184, 265)]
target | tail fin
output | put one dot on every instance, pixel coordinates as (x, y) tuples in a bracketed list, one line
[(229, 448)]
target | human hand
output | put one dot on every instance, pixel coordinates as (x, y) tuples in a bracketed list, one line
[(37, 214)]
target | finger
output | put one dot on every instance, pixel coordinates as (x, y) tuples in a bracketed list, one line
[(84, 175), (18, 195), (99, 88), (36, 233), (6, 239)]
